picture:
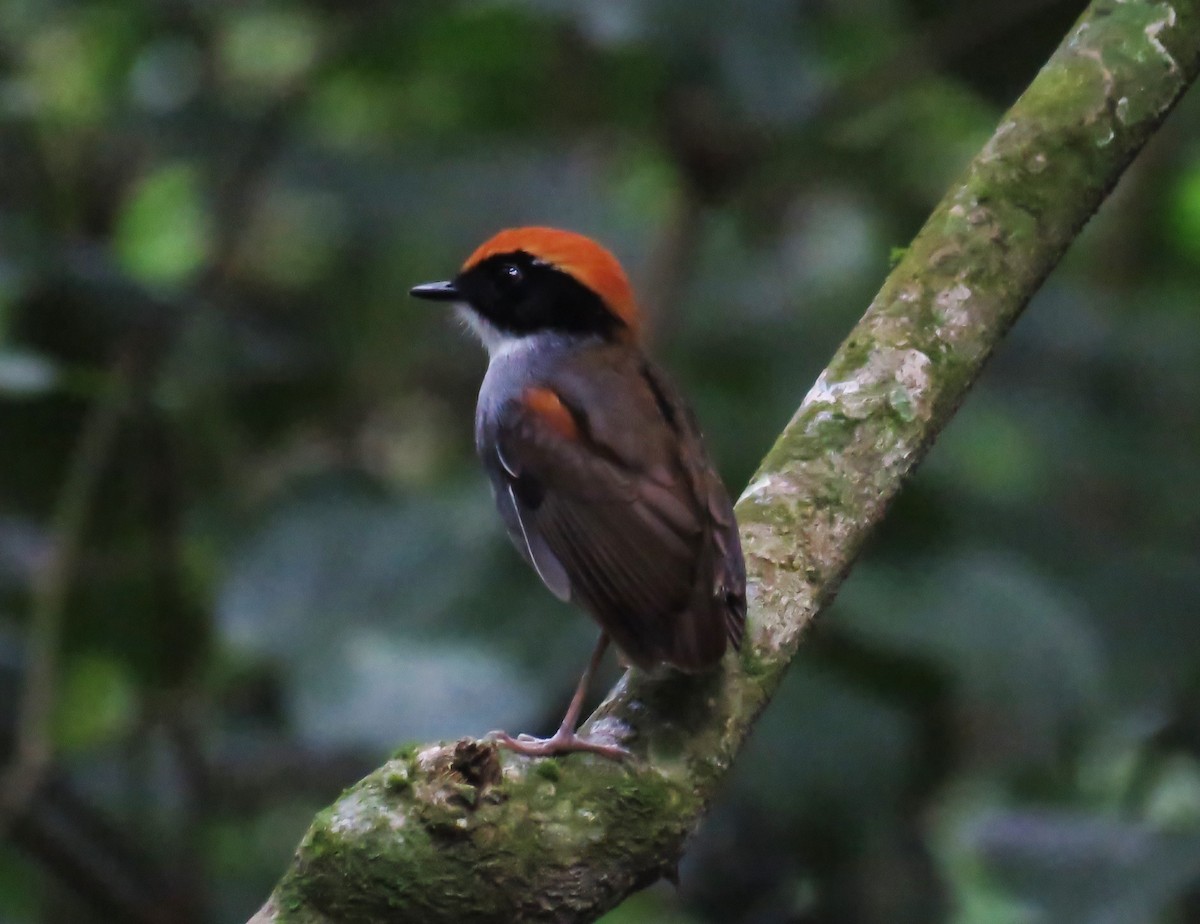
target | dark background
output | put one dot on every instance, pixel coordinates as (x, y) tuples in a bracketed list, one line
[(210, 213)]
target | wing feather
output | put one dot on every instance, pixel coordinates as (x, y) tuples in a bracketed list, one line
[(643, 538), (541, 557)]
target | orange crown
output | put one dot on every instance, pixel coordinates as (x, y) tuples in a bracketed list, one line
[(579, 256)]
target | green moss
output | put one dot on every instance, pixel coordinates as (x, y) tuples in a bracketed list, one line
[(778, 518), (901, 403), (752, 662), (397, 777), (851, 356), (406, 752), (383, 853), (821, 432)]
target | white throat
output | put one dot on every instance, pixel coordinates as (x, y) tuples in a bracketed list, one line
[(497, 342)]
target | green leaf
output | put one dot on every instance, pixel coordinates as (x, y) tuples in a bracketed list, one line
[(268, 49), (164, 233), (361, 601), (1185, 212), (97, 703)]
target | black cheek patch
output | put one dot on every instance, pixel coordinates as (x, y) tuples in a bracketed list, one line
[(545, 299)]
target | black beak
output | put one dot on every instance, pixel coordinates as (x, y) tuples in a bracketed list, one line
[(436, 292)]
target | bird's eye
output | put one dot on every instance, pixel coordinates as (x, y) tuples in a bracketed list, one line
[(511, 274)]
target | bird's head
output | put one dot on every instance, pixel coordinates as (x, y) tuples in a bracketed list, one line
[(525, 281)]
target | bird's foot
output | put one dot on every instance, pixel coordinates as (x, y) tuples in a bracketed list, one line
[(563, 741)]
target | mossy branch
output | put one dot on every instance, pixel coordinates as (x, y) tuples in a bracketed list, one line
[(460, 832)]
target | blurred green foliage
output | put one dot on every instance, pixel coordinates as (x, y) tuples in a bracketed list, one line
[(292, 565)]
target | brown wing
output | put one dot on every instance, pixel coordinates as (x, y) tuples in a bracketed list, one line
[(728, 574), (626, 523)]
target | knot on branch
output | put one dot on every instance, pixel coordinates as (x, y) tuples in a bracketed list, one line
[(449, 782)]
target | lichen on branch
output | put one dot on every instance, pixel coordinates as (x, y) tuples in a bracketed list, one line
[(462, 832)]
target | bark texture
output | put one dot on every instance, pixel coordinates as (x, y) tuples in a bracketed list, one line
[(460, 832)]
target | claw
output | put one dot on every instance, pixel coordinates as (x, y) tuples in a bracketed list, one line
[(563, 741)]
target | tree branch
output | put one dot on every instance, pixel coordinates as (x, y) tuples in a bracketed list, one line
[(52, 581), (460, 832)]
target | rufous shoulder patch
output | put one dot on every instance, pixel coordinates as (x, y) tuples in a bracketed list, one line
[(548, 408)]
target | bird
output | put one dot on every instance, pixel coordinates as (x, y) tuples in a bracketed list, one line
[(596, 463)]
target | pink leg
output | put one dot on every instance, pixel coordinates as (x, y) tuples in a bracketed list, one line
[(565, 739)]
